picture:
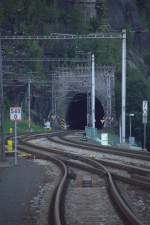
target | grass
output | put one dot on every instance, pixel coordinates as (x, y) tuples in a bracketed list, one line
[(22, 127)]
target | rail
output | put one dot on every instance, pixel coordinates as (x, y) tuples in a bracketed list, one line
[(129, 215)]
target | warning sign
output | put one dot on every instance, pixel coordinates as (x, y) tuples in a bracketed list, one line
[(15, 113)]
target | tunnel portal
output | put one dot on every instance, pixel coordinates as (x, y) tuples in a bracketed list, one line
[(76, 116)]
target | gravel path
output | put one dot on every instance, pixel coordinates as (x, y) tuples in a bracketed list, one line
[(138, 199), (25, 192), (89, 205)]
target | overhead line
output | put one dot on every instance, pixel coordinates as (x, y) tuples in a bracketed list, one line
[(58, 36), (47, 60)]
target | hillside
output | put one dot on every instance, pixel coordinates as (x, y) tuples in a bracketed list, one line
[(24, 17)]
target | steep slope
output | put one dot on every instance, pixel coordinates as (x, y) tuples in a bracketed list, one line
[(76, 16)]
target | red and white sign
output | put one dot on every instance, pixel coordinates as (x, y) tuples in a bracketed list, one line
[(15, 113)]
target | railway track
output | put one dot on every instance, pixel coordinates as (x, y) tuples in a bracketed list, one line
[(83, 163), (121, 168), (135, 154), (55, 216), (134, 162)]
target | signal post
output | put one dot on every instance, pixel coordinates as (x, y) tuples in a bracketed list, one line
[(15, 115)]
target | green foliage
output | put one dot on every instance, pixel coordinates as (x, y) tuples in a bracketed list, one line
[(42, 17), (137, 91), (135, 97), (146, 56), (71, 20), (118, 95), (25, 16), (30, 49), (143, 4), (144, 10), (22, 127), (93, 25), (1, 15), (33, 49)]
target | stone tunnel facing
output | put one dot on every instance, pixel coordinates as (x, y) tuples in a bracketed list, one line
[(76, 116)]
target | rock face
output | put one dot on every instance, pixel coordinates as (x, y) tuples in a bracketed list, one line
[(119, 14), (125, 13), (122, 13), (77, 13)]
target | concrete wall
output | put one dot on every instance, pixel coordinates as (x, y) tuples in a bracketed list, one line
[(70, 81)]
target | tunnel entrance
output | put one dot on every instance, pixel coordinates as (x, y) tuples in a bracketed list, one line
[(77, 113)]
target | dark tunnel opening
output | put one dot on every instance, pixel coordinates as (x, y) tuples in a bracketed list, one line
[(76, 116)]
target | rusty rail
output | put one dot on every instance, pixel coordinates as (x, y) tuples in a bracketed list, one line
[(129, 215)]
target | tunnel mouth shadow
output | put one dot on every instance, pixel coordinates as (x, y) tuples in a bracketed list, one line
[(76, 115)]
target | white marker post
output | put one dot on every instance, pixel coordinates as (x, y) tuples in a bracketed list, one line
[(145, 109), (123, 125), (15, 151), (15, 115)]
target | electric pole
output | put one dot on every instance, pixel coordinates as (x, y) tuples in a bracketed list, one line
[(123, 86), (29, 103), (93, 91), (2, 154)]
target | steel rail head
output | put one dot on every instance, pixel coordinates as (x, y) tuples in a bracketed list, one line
[(130, 216), (61, 186), (115, 150), (121, 204), (59, 194), (127, 212)]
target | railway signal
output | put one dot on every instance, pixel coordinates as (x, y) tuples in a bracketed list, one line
[(15, 115)]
